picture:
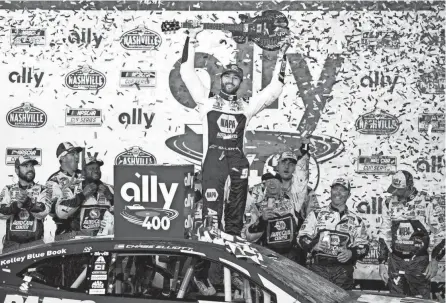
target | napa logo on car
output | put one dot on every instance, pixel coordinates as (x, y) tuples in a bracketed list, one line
[(26, 116), (135, 156), (85, 78), (141, 38), (12, 153), (377, 123)]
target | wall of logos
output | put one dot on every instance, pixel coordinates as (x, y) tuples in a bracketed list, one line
[(367, 85)]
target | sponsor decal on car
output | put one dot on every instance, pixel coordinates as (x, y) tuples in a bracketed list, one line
[(12, 153), (83, 117), (376, 164), (85, 78), (28, 37), (26, 116), (33, 256), (141, 38), (377, 123), (435, 122), (151, 246), (137, 78), (135, 156)]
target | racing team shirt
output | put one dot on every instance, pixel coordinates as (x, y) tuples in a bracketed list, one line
[(310, 203), (224, 123), (411, 227), (93, 209), (334, 231), (24, 225), (279, 233), (302, 196), (65, 192)]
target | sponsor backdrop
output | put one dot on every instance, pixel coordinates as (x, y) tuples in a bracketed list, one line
[(364, 81)]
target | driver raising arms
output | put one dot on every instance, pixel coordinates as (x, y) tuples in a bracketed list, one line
[(225, 119)]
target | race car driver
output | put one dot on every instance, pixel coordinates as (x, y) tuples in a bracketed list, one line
[(23, 206), (336, 237), (411, 228), (65, 188), (274, 221), (225, 118)]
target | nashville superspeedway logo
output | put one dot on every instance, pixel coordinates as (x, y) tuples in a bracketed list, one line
[(149, 217)]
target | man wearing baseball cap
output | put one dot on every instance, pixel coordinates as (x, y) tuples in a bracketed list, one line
[(336, 237), (92, 215), (65, 187), (225, 119), (23, 206), (293, 168), (410, 230), (274, 221)]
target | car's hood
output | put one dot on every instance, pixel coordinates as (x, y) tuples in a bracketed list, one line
[(373, 297)]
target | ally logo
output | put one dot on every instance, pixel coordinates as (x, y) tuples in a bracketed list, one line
[(149, 217)]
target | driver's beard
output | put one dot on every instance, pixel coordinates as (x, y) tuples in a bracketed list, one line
[(24, 177), (232, 92)]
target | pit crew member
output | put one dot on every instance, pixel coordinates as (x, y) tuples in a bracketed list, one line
[(274, 221), (23, 207), (412, 226), (336, 237)]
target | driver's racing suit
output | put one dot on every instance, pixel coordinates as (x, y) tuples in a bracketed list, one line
[(410, 230), (225, 119), (334, 231), (23, 224)]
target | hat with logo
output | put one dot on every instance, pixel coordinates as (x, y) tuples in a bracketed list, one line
[(342, 181), (65, 148), (402, 179), (91, 160), (271, 175), (233, 68), (23, 160), (288, 155)]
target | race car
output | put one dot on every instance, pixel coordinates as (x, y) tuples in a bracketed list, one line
[(93, 270)]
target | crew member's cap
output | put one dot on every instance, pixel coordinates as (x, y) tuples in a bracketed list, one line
[(233, 68), (402, 179), (91, 160), (271, 175), (288, 155), (65, 148), (22, 160), (342, 181)]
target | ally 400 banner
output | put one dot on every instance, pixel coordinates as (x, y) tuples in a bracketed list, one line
[(363, 81)]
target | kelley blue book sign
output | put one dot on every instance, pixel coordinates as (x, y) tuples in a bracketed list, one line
[(153, 201)]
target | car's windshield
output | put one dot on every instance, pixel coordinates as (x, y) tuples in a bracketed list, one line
[(302, 280)]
